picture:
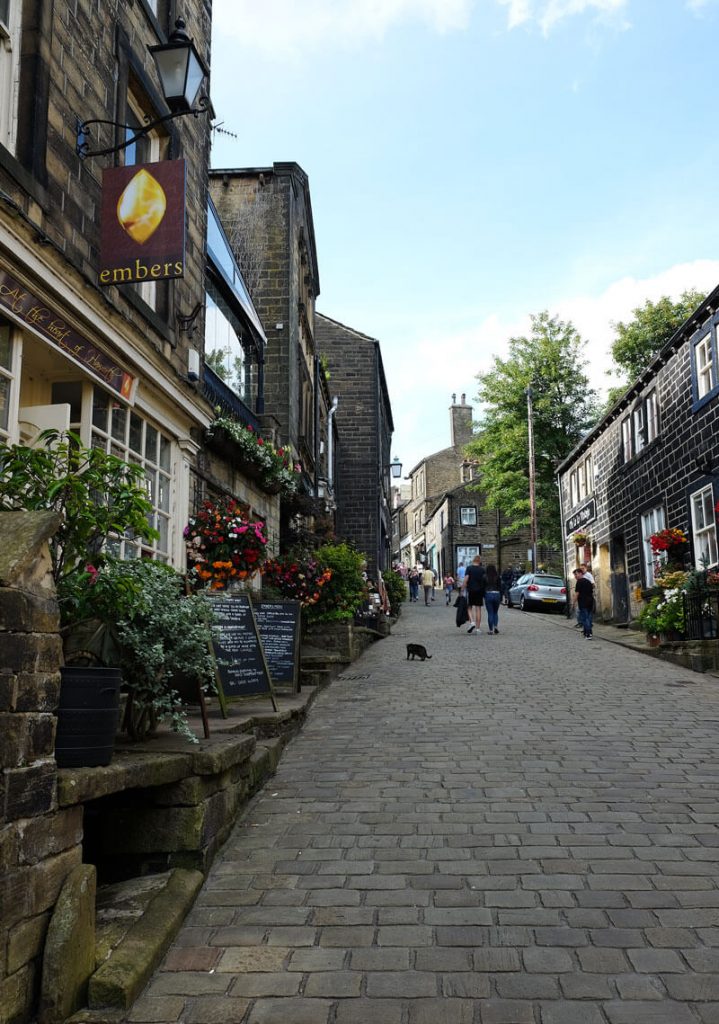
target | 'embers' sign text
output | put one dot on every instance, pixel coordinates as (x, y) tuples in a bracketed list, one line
[(142, 228)]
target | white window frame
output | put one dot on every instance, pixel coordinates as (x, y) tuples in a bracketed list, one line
[(704, 365), (627, 447), (9, 379), (704, 531), (10, 34), (463, 519), (638, 426), (652, 521), (115, 438), (651, 416)]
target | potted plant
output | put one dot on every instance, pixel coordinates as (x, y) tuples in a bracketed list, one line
[(223, 544), (98, 496)]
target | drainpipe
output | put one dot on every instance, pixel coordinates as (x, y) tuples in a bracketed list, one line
[(330, 453)]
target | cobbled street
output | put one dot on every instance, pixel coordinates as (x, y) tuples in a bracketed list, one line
[(521, 829)]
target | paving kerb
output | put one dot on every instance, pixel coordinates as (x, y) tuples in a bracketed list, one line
[(523, 828)]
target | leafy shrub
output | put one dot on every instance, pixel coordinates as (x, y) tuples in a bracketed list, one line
[(396, 590), (345, 591), (97, 495)]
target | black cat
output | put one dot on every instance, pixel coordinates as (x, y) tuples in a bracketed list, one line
[(417, 650)]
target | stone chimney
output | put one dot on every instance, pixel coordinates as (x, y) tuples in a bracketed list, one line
[(460, 422)]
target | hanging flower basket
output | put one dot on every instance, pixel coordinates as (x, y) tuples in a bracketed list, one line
[(273, 469), (581, 538), (223, 545), (669, 540)]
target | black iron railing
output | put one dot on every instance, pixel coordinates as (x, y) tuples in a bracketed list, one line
[(701, 615)]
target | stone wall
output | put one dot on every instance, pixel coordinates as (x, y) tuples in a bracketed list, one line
[(39, 842), (364, 423)]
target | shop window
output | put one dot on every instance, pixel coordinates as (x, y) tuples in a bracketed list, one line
[(652, 522), (225, 352), (7, 378), (134, 439), (468, 515), (10, 25), (704, 528)]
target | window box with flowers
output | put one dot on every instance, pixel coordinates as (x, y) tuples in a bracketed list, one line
[(672, 543), (223, 544), (274, 469)]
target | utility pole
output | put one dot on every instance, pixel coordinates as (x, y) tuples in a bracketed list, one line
[(532, 479)]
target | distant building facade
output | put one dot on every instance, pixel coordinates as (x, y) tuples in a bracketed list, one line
[(364, 423)]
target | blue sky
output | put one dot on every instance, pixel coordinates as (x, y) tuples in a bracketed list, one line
[(472, 162)]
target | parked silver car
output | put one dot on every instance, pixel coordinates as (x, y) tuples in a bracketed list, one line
[(538, 590)]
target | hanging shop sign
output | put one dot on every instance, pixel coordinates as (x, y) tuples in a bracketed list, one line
[(582, 517), (24, 307), (142, 224)]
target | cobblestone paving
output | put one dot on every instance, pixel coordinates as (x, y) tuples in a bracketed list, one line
[(522, 830)]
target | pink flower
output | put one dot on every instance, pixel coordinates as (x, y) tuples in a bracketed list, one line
[(92, 573)]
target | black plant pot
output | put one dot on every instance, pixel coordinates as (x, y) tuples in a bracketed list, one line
[(87, 716)]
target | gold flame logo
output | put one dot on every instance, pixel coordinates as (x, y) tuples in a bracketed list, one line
[(141, 207)]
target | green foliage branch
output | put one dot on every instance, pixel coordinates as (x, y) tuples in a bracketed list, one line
[(550, 360)]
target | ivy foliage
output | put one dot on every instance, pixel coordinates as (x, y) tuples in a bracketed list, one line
[(551, 361)]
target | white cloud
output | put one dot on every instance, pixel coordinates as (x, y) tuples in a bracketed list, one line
[(284, 26), (424, 372), (547, 13), (699, 5)]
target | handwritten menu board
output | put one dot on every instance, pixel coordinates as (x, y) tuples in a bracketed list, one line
[(278, 623), (241, 664)]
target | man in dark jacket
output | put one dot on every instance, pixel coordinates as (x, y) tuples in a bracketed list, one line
[(584, 597)]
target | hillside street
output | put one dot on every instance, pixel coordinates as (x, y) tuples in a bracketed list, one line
[(521, 830)]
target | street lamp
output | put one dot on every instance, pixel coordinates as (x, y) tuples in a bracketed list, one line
[(181, 70), (395, 468), (532, 480)]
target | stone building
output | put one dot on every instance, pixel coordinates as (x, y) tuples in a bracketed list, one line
[(267, 217), (650, 463), (362, 485), (446, 521), (112, 350)]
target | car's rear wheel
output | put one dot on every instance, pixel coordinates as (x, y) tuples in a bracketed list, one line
[(522, 604)]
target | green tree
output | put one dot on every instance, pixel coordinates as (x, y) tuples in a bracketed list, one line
[(639, 340), (551, 361)]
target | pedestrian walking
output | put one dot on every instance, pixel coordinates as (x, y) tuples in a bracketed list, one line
[(584, 592), (492, 598), (448, 583), (474, 586), (413, 580), (461, 570), (428, 584), (506, 583)]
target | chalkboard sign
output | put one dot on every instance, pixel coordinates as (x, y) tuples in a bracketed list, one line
[(242, 669), (278, 623)]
